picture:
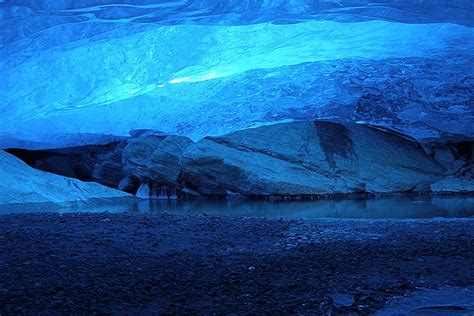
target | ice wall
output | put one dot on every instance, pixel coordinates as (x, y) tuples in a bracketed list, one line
[(208, 67)]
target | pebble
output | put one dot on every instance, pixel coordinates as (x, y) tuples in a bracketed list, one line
[(342, 299)]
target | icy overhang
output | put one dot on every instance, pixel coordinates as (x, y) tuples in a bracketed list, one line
[(201, 68)]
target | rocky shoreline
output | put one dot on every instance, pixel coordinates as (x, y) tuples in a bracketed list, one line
[(166, 264)]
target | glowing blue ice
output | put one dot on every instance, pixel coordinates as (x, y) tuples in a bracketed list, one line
[(208, 67)]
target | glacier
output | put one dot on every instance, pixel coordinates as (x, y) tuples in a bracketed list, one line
[(210, 67)]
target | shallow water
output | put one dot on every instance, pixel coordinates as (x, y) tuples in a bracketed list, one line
[(386, 208)]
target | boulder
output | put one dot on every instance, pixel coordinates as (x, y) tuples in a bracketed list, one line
[(151, 165), (148, 158), (23, 184), (307, 159), (136, 156), (295, 160), (165, 159)]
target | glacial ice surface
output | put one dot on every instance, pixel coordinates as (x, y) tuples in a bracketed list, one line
[(208, 67)]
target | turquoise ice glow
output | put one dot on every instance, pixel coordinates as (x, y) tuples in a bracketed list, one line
[(208, 67)]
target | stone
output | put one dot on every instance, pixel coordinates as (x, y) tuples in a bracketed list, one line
[(342, 299), (151, 163), (136, 157), (297, 160), (307, 159), (165, 159)]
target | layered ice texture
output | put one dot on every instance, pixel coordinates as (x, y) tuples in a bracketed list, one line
[(208, 67)]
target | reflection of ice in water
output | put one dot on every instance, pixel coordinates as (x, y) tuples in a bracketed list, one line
[(418, 202), (437, 207)]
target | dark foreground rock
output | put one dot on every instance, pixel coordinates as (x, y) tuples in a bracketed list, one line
[(168, 264)]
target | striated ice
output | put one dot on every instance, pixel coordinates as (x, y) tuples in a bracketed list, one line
[(200, 68)]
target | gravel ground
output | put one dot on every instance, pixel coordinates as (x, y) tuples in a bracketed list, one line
[(147, 264)]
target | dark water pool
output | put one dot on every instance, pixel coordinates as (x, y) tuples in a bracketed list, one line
[(394, 207)]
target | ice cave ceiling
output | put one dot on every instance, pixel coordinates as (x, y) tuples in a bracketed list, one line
[(207, 67)]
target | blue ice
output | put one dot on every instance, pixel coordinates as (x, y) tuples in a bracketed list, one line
[(201, 68)]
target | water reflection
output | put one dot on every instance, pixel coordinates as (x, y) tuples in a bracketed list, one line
[(395, 207)]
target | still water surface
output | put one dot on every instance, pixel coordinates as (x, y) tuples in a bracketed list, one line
[(394, 207)]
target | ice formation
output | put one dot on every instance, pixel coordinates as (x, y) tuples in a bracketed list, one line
[(208, 67)]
